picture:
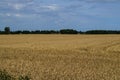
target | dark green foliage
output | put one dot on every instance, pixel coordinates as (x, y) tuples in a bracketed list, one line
[(2, 32), (80, 32), (23, 78), (48, 32), (102, 32), (26, 32), (45, 32), (5, 76), (62, 31), (68, 31), (35, 32), (16, 32), (7, 30), (54, 32)]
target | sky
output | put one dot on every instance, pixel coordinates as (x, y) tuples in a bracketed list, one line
[(60, 14)]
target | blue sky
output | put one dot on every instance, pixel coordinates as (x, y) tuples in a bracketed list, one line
[(59, 14)]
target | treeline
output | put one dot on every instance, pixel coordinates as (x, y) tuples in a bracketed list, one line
[(102, 32), (62, 31)]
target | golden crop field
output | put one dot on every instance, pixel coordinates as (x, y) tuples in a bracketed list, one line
[(61, 57)]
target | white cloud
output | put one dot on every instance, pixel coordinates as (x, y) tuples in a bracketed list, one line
[(51, 7), (13, 15), (8, 14), (16, 6), (5, 14), (18, 15)]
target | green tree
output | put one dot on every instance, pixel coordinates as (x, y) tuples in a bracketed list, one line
[(68, 31), (7, 30)]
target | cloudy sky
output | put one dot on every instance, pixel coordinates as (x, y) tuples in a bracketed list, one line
[(59, 14)]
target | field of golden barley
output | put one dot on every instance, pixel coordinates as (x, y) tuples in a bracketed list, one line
[(61, 57)]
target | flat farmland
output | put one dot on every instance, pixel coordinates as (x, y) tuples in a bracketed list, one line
[(61, 57)]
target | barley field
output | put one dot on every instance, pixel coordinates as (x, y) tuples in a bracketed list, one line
[(61, 57)]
